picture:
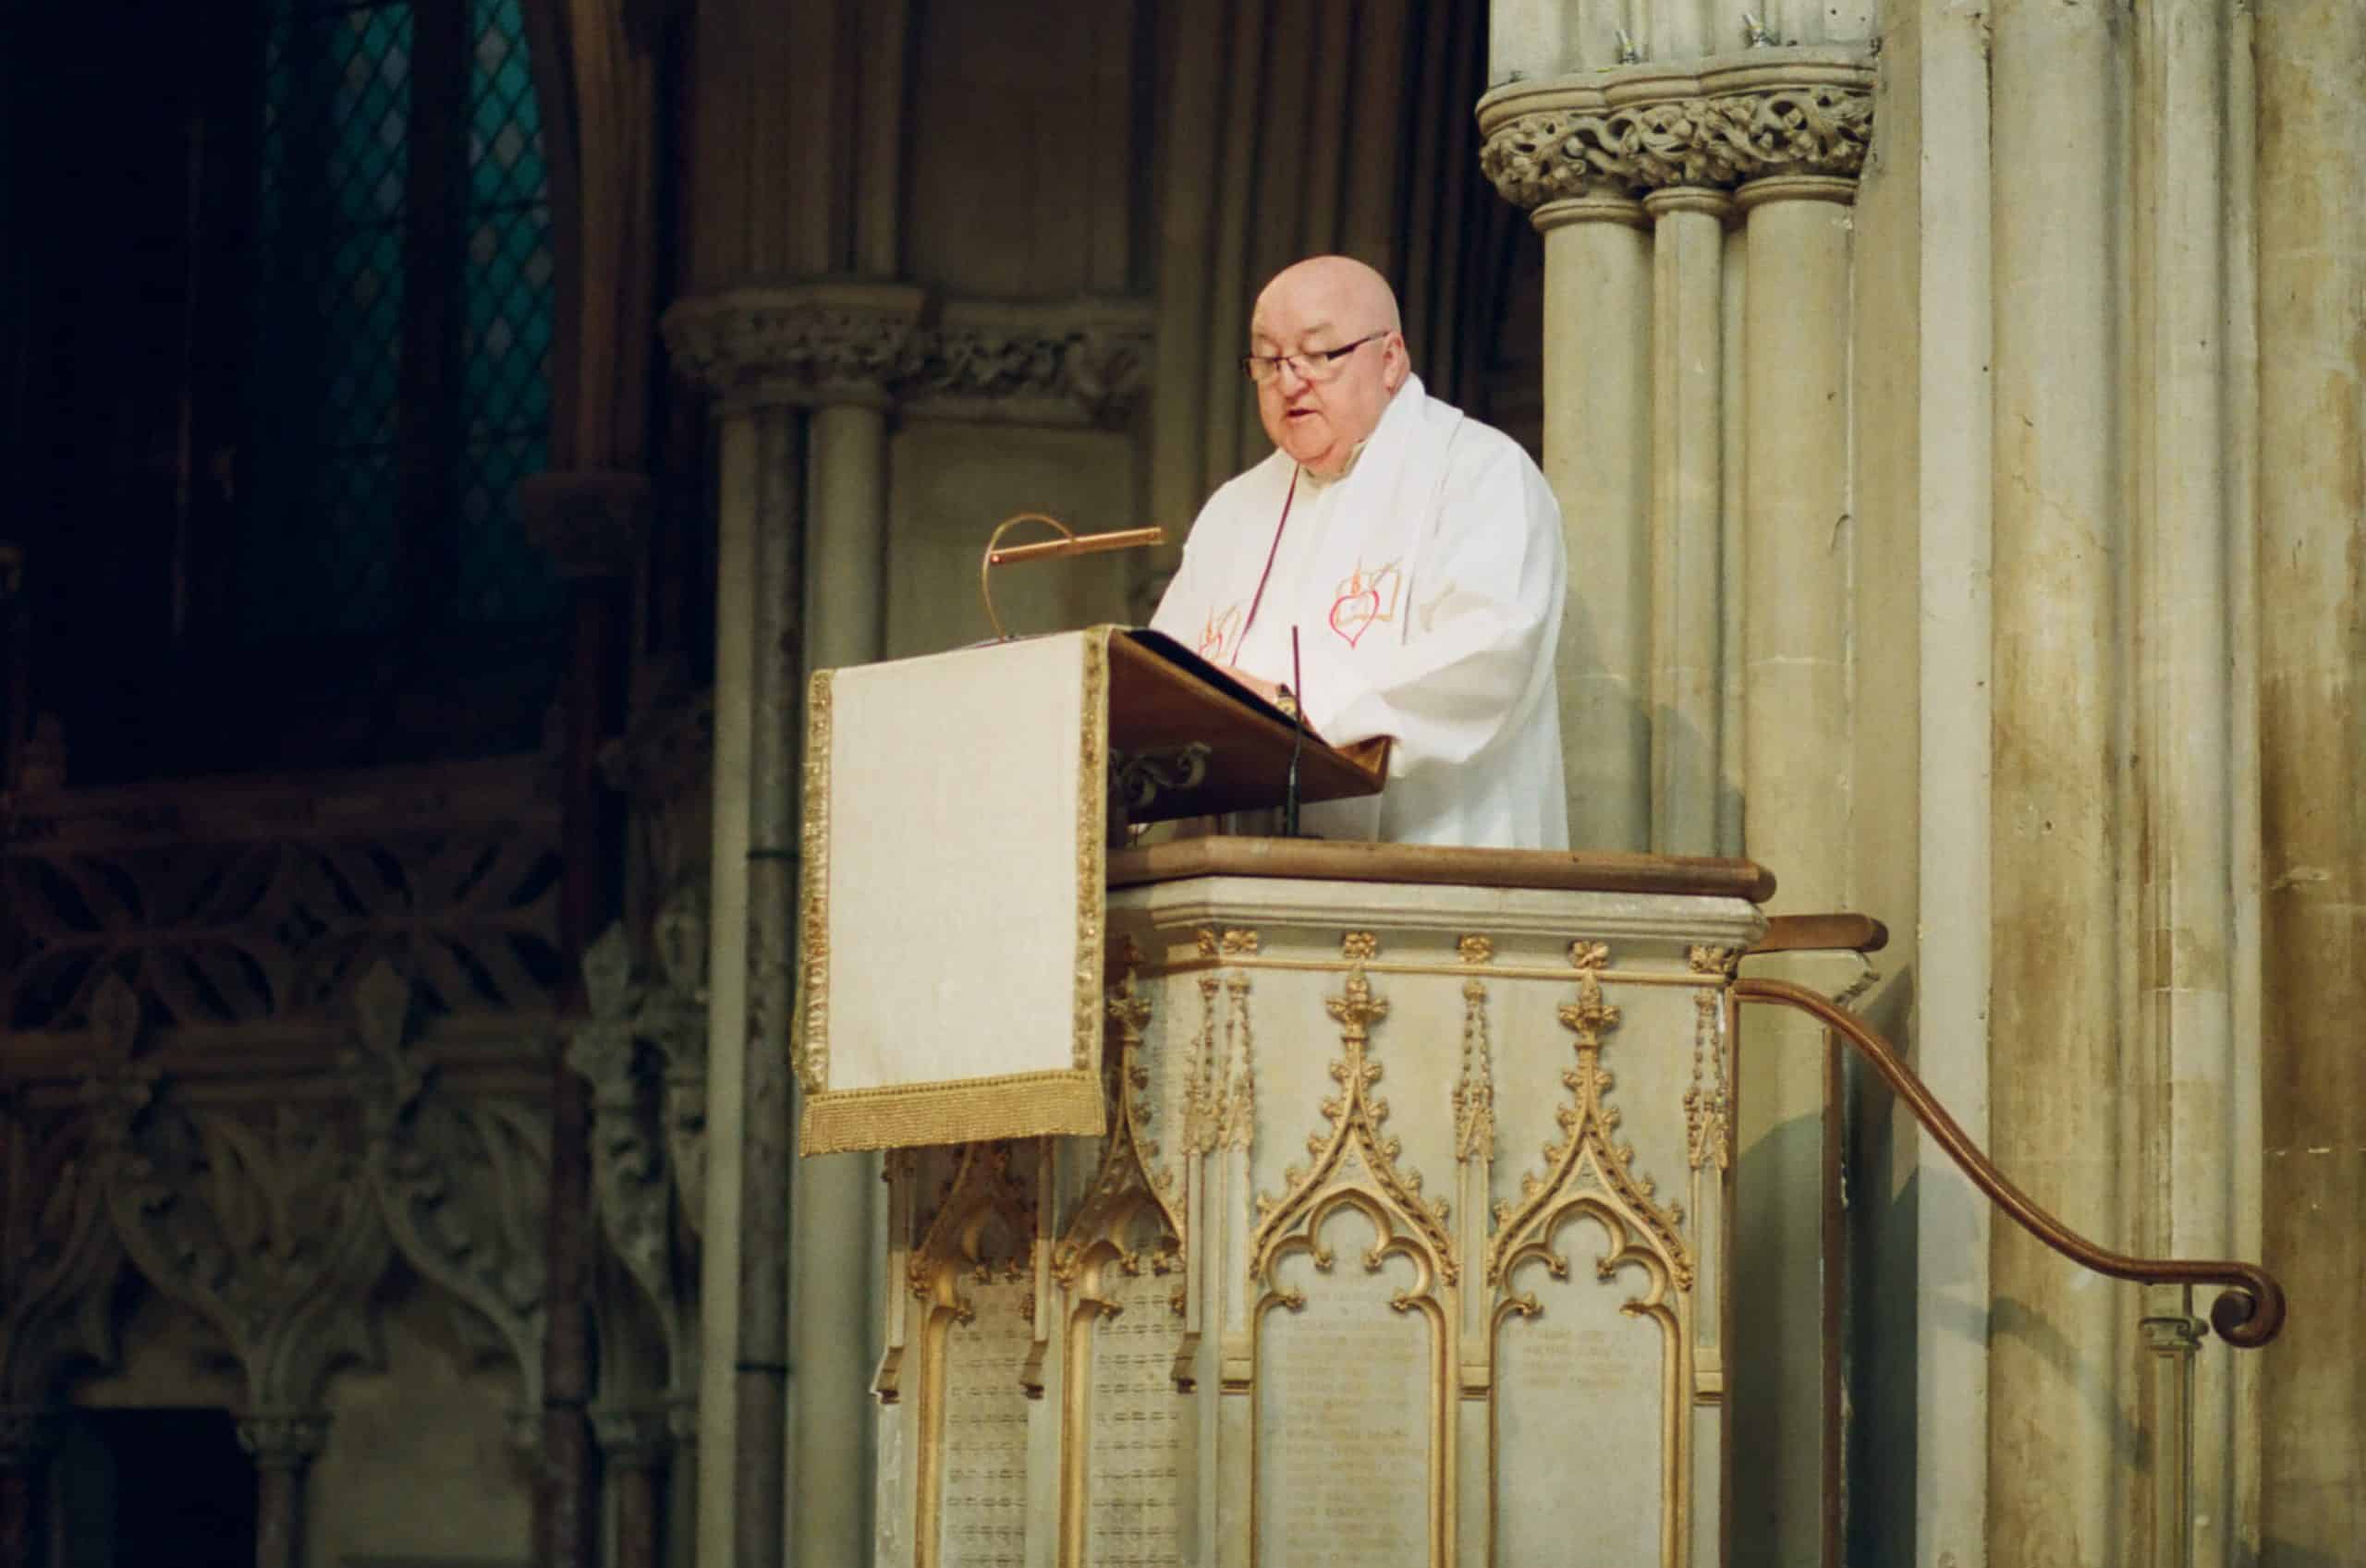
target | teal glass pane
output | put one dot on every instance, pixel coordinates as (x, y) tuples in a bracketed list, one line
[(321, 501), (505, 329)]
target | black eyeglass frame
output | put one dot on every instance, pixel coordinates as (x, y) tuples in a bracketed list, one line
[(1305, 360)]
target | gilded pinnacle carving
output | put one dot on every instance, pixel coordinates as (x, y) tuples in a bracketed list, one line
[(1628, 134)]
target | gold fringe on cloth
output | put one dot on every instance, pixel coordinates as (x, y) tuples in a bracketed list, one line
[(908, 1115)]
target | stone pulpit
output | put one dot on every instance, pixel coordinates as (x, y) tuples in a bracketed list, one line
[(1404, 1240)]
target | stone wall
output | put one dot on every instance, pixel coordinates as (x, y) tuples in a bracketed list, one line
[(2039, 575)]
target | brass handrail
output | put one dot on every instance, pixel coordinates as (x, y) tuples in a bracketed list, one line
[(2248, 1311)]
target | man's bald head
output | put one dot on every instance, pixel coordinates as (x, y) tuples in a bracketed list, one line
[(1315, 408), (1328, 285)]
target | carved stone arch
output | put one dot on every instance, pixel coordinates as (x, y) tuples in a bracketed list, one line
[(594, 68), (60, 1259), (458, 1185), (265, 1229), (1628, 1245)]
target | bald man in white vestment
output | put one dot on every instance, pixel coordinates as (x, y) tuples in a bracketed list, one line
[(1417, 555)]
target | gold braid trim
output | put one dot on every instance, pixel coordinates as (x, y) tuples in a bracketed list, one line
[(1013, 1105)]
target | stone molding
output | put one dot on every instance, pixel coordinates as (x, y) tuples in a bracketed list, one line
[(1083, 361), (1716, 125)]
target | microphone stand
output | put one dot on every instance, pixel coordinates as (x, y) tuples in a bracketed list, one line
[(1297, 742)]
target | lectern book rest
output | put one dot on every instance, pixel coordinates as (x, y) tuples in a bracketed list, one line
[(958, 813)]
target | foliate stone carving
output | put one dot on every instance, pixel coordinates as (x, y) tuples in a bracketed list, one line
[(874, 343), (634, 1178), (817, 343), (284, 1439), (139, 916), (1088, 360), (263, 1226), (458, 1185), (58, 1255), (1628, 133)]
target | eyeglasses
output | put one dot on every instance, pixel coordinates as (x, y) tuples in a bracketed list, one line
[(1314, 364)]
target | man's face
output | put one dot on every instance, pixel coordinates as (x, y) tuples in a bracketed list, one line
[(1319, 422)]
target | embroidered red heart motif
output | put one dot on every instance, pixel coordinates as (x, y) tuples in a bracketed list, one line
[(1353, 614)]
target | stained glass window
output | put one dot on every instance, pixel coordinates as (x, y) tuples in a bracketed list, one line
[(321, 534), (505, 331), (402, 322)]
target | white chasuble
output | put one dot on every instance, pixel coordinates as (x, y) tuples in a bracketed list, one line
[(1425, 587)]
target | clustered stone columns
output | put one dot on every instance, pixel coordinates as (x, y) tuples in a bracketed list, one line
[(283, 1445), (778, 1295), (1696, 431)]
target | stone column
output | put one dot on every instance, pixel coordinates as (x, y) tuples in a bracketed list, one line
[(2191, 385), (283, 1445), (770, 353), (2057, 1022), (635, 1445), (590, 525), (2311, 727), (1724, 587), (1598, 459), (2172, 1334), (1688, 484), (28, 1437), (831, 1270), (1797, 732)]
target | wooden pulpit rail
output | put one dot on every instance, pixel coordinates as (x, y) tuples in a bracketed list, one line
[(1440, 865), (1821, 933), (2250, 1308)]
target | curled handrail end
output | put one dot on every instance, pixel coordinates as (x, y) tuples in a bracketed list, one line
[(2248, 1315), (2248, 1311)]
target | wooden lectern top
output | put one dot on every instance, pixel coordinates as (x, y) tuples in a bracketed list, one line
[(1164, 697)]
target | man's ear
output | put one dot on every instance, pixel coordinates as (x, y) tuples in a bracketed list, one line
[(1397, 363)]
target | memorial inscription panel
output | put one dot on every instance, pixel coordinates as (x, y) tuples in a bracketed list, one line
[(982, 1513), (1580, 1444), (1347, 1389), (1133, 1514)]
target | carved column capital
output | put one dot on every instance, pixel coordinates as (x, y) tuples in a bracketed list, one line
[(635, 1439), (1058, 363), (1714, 125), (1048, 363), (589, 523), (828, 341), (284, 1439)]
